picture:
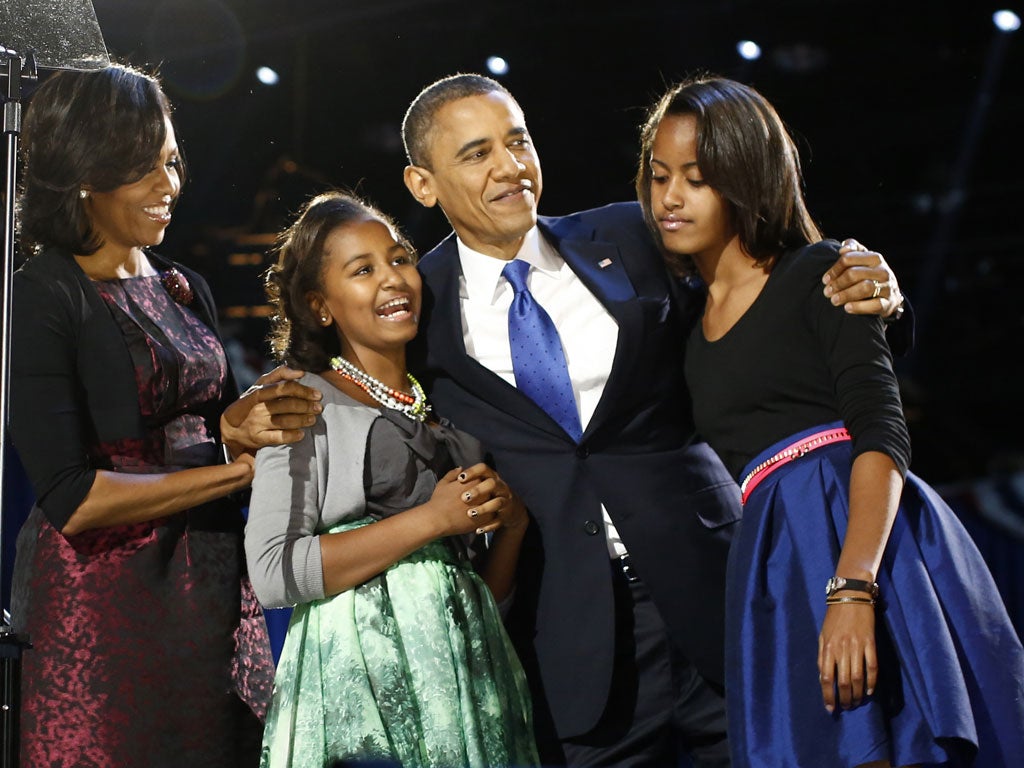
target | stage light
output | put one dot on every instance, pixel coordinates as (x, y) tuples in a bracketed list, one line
[(749, 50), (1006, 21), (497, 65), (267, 76)]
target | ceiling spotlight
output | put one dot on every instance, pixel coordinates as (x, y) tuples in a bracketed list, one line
[(267, 76), (497, 65), (749, 50), (1006, 21)]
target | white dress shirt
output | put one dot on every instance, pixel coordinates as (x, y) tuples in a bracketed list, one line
[(589, 334)]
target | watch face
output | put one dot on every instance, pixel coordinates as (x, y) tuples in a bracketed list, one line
[(837, 583)]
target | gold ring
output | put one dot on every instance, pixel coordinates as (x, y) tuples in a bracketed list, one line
[(878, 289)]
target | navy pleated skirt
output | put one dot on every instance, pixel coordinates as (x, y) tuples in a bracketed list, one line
[(951, 666)]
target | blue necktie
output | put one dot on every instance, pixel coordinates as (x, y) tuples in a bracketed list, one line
[(537, 358)]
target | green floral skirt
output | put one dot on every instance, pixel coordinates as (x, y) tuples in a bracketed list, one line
[(413, 667)]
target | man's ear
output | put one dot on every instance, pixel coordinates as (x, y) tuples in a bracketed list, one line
[(420, 182)]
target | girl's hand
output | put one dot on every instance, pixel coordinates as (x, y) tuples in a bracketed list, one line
[(458, 501), (847, 658), (504, 507)]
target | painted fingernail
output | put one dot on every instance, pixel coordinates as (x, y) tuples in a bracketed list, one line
[(462, 476), (467, 496), (473, 513), (829, 708), (479, 531)]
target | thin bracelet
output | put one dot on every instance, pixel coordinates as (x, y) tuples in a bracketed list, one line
[(838, 600)]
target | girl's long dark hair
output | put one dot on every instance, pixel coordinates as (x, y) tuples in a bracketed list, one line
[(745, 153)]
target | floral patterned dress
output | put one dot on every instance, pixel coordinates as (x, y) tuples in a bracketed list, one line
[(147, 647), (413, 667)]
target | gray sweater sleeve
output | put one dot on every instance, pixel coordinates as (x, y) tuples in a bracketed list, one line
[(282, 547), (300, 491)]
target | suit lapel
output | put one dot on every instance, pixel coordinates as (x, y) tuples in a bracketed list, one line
[(599, 267)]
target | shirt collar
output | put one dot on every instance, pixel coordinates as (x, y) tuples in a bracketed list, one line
[(482, 273)]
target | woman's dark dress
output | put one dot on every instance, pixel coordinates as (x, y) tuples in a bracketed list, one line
[(147, 647)]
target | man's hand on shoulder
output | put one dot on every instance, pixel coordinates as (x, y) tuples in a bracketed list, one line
[(863, 283)]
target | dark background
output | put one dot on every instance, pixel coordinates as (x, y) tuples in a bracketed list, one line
[(908, 116)]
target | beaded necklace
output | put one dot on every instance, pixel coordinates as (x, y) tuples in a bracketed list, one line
[(414, 406)]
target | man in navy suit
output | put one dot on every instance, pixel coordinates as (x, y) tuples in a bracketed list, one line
[(618, 612)]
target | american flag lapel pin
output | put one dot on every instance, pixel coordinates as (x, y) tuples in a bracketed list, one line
[(604, 263)]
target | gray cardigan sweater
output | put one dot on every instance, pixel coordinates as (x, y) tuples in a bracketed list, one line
[(301, 490)]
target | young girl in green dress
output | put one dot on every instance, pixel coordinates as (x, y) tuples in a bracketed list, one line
[(371, 526)]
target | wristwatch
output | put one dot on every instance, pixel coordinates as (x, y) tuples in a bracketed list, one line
[(897, 314), (837, 583)]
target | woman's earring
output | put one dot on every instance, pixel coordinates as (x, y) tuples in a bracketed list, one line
[(323, 319), (83, 193)]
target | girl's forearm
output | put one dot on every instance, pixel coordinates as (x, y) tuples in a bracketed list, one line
[(875, 487), (352, 557), (499, 567)]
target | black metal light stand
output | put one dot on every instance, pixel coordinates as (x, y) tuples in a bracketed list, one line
[(60, 34), (11, 643)]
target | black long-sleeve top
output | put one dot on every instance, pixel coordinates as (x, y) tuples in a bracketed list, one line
[(794, 361)]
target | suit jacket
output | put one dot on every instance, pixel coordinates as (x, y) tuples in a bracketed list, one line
[(670, 498)]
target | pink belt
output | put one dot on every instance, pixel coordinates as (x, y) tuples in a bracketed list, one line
[(789, 453)]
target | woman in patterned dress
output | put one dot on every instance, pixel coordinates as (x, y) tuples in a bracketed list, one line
[(148, 645), (370, 523)]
